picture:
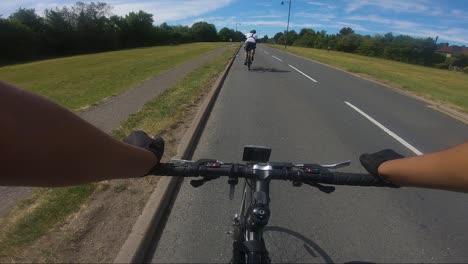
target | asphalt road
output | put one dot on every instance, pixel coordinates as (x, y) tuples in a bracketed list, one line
[(304, 117)]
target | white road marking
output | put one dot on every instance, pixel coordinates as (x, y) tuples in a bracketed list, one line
[(266, 52), (276, 58), (312, 79), (395, 136)]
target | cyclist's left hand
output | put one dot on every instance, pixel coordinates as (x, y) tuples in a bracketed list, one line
[(372, 162)]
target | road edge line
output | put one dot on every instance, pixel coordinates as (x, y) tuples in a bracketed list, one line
[(138, 241), (447, 108), (385, 129)]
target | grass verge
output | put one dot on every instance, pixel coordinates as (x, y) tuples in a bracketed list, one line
[(80, 81), (45, 209), (440, 85), (168, 109), (48, 208)]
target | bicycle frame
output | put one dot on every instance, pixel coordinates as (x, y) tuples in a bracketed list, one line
[(248, 245), (249, 58)]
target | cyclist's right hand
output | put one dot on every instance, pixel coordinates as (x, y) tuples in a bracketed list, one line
[(371, 162), (142, 140)]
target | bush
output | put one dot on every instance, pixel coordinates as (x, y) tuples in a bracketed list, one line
[(441, 66), (465, 70)]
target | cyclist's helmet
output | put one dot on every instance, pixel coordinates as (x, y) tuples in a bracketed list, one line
[(253, 31)]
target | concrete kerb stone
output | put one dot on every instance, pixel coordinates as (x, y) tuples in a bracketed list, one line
[(138, 241)]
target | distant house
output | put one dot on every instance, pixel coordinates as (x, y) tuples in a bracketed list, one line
[(453, 50)]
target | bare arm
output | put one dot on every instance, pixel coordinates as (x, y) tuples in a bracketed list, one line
[(43, 144), (446, 170)]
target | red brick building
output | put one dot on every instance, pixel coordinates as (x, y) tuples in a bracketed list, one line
[(452, 50)]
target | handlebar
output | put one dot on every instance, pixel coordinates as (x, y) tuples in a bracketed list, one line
[(311, 174)]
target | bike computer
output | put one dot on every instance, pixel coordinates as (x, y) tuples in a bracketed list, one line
[(256, 154)]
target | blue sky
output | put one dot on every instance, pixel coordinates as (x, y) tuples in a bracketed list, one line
[(447, 19)]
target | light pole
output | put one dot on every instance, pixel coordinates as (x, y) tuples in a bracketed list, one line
[(287, 27), (237, 24)]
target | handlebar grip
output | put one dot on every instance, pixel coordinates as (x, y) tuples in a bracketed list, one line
[(170, 169), (353, 179), (196, 169)]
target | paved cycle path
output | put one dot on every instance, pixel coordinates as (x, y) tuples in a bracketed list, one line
[(308, 112)]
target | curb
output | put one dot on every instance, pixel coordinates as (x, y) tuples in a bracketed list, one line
[(138, 241), (459, 115)]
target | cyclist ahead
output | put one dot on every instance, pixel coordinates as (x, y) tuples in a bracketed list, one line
[(250, 44)]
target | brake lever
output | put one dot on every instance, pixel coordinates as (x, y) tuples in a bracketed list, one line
[(322, 188), (337, 165), (200, 182)]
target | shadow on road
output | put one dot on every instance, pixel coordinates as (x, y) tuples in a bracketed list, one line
[(263, 69), (287, 246)]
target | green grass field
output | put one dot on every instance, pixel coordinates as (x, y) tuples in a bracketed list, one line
[(440, 85), (47, 208), (80, 81), (166, 110)]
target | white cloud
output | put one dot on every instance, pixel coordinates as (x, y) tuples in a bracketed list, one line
[(341, 24), (327, 5), (275, 23), (281, 24), (218, 21), (266, 16), (315, 16), (448, 33), (393, 5), (315, 26), (452, 34), (9, 6), (393, 23), (263, 4), (162, 10), (168, 11)]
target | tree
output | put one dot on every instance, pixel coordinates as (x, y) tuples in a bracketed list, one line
[(239, 36), (306, 31), (29, 18), (349, 42), (278, 36), (346, 31), (202, 31), (94, 31), (139, 30), (290, 37), (370, 46), (16, 40), (461, 61), (59, 31), (226, 34), (264, 39), (306, 39), (181, 34)]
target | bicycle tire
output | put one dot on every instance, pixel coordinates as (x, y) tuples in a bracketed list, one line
[(240, 232), (288, 246)]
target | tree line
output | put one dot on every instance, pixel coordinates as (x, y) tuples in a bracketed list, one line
[(87, 28), (421, 51)]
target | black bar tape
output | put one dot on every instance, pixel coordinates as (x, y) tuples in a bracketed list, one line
[(353, 179)]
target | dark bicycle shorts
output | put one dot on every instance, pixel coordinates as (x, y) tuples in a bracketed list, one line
[(250, 46)]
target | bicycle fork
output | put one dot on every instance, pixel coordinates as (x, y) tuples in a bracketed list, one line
[(248, 244)]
